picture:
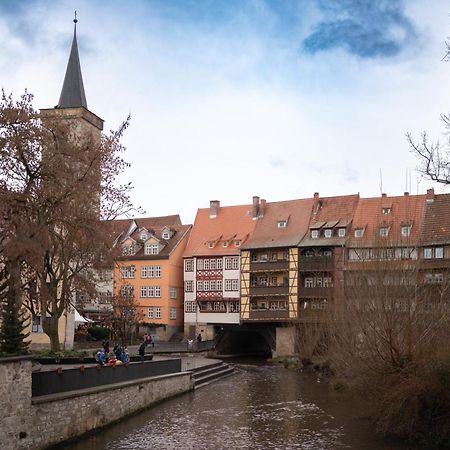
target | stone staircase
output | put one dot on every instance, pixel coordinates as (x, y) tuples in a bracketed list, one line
[(202, 376)]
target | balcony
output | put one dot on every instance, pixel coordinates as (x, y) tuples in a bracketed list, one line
[(321, 263), (269, 266), (256, 291), (268, 314), (316, 292)]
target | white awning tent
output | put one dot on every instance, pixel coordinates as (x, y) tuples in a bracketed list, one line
[(80, 319)]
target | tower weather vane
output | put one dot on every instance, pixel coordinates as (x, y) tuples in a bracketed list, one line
[(75, 19)]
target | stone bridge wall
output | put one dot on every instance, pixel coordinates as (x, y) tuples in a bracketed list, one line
[(36, 423)]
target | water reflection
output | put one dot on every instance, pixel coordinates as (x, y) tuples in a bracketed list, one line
[(262, 407)]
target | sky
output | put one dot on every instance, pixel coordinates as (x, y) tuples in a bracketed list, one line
[(234, 98)]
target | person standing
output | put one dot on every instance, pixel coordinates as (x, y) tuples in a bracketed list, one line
[(142, 351)]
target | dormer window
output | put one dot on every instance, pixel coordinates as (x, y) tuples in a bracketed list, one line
[(328, 233), (386, 210), (166, 234), (282, 224), (314, 234), (384, 231), (211, 244), (359, 232), (144, 236), (151, 249), (406, 230), (341, 232), (225, 244), (237, 243), (127, 250)]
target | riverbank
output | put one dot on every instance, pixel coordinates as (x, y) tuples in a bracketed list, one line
[(35, 422)]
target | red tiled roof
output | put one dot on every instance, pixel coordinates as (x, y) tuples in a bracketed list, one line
[(230, 221), (408, 209), (331, 212), (267, 234), (436, 227)]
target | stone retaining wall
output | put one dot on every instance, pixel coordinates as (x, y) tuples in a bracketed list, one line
[(35, 423)]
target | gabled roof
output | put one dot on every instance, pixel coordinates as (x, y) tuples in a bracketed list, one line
[(436, 226), (121, 227), (407, 209), (230, 221), (328, 213), (180, 231), (72, 93), (267, 234)]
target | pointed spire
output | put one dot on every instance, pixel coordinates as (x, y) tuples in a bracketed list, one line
[(72, 93)]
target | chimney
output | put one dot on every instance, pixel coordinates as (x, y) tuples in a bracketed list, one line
[(406, 194), (262, 207), (383, 195), (255, 207), (430, 195), (316, 205), (214, 206)]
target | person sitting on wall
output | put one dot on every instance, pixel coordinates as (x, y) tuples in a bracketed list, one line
[(142, 351), (125, 357), (100, 357), (117, 351)]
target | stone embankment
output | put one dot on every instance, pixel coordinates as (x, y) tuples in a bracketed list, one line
[(37, 422)]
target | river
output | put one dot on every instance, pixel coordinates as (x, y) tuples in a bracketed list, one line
[(263, 406)]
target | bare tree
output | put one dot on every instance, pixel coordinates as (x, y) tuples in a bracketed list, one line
[(55, 186)]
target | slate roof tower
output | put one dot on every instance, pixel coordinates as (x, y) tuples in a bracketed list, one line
[(72, 105)]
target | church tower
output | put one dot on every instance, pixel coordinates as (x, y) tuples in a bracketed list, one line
[(72, 106)]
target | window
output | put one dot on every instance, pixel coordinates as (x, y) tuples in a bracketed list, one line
[(151, 249), (439, 252), (166, 235), (359, 232), (210, 244), (315, 234), (190, 307), (254, 257), (150, 291), (341, 232), (219, 263), (386, 210), (237, 243), (282, 224), (189, 265), (127, 271), (189, 286), (234, 285), (219, 285), (206, 264), (405, 230), (384, 231), (228, 285), (233, 263), (144, 236), (173, 292), (212, 264), (158, 312), (127, 250), (309, 282), (225, 244), (36, 326), (126, 291), (150, 313), (233, 307), (206, 285), (427, 253), (173, 313), (200, 285), (151, 272), (328, 233)]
